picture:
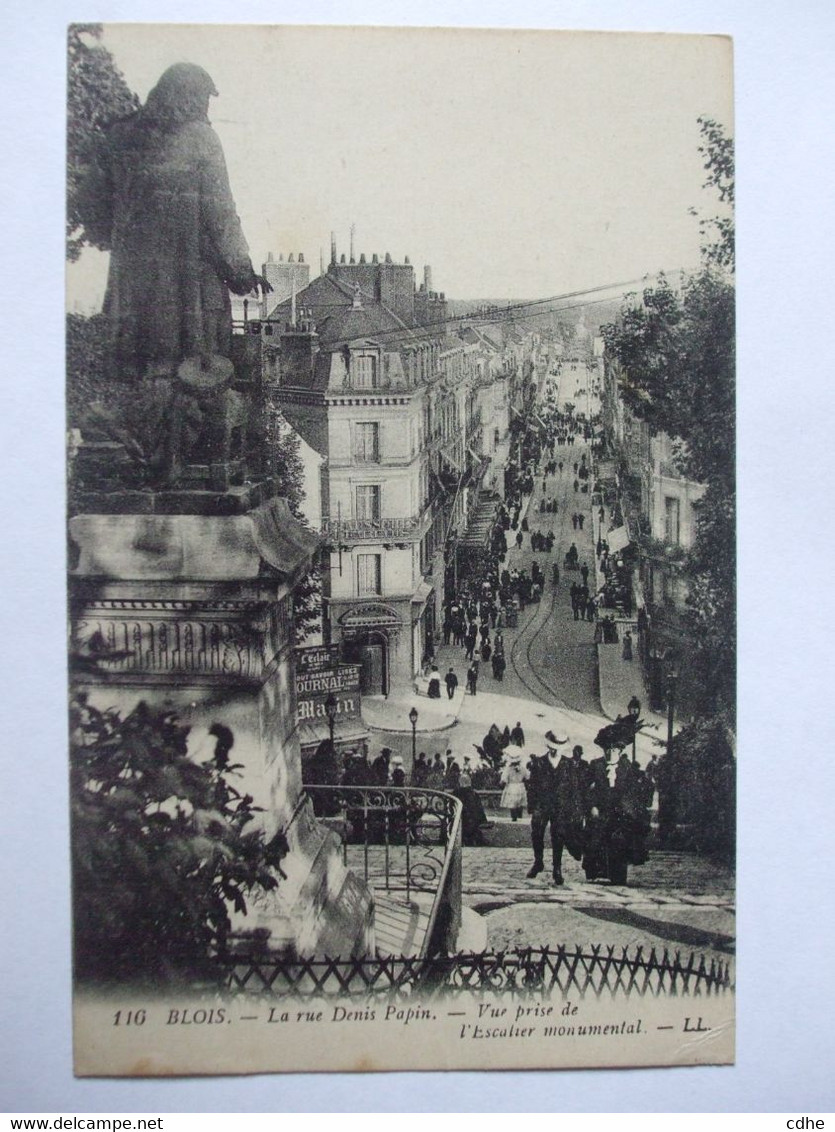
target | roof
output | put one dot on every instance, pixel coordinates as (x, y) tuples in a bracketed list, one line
[(340, 320)]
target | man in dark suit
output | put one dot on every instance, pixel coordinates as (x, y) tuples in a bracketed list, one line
[(556, 796), (617, 822)]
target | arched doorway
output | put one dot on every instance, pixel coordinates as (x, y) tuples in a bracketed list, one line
[(370, 651), (367, 640)]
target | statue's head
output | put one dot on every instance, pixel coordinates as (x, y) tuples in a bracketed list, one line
[(181, 94)]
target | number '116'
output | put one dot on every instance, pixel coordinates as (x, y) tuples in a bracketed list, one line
[(129, 1018)]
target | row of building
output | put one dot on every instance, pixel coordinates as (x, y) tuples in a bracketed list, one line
[(405, 416), (659, 509)]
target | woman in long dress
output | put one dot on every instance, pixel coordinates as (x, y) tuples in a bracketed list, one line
[(513, 779)]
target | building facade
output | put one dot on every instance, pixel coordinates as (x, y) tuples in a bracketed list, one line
[(410, 420)]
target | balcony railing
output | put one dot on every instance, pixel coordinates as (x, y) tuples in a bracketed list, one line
[(405, 843), (377, 530)]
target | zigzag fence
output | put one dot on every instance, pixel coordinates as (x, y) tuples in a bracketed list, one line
[(598, 970)]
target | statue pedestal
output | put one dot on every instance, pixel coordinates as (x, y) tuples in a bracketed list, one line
[(194, 613)]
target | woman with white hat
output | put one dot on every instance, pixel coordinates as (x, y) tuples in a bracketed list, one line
[(514, 795)]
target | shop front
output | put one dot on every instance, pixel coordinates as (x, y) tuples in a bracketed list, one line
[(327, 706)]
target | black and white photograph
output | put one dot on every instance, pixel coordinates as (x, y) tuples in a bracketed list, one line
[(401, 501)]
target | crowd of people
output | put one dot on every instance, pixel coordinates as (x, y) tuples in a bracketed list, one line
[(598, 810), (478, 606)]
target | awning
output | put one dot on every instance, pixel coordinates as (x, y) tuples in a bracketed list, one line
[(422, 593), (618, 539), (311, 732)]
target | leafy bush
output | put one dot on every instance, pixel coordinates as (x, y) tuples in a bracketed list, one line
[(160, 846)]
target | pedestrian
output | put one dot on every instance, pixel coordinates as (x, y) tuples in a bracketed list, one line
[(472, 812), (574, 520), (556, 797), (498, 644), (452, 776), (513, 778), (380, 767), (451, 681), (472, 679), (617, 822), (576, 484), (420, 770), (472, 635), (584, 573), (433, 690), (519, 539), (517, 735), (626, 648), (580, 520), (486, 651), (499, 665), (435, 775)]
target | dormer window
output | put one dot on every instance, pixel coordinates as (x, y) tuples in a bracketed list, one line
[(364, 371)]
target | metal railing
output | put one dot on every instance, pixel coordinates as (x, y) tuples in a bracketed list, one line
[(401, 840), (598, 971)]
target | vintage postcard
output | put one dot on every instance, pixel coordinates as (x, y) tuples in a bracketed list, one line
[(401, 579)]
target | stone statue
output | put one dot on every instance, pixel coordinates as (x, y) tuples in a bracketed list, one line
[(157, 196)]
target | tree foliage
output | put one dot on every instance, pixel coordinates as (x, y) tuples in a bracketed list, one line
[(717, 149), (97, 95), (676, 355), (162, 846), (86, 343)]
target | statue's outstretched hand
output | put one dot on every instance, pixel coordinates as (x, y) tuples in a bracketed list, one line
[(264, 283)]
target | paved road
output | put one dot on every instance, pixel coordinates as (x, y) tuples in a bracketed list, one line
[(553, 657)]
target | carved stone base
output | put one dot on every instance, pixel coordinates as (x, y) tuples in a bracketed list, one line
[(194, 614)]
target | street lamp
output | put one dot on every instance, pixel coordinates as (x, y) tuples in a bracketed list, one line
[(672, 683), (330, 712), (413, 718), (668, 798), (634, 709)]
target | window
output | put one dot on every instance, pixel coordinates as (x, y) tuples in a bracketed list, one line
[(364, 367), (672, 518), (368, 443), (368, 574), (668, 589), (368, 502)]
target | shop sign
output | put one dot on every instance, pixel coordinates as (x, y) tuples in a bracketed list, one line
[(317, 658), (312, 691)]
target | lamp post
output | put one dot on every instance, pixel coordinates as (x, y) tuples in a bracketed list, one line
[(634, 709), (668, 797), (413, 718), (672, 682), (330, 711)]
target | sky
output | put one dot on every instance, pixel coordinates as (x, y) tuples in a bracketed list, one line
[(519, 164)]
